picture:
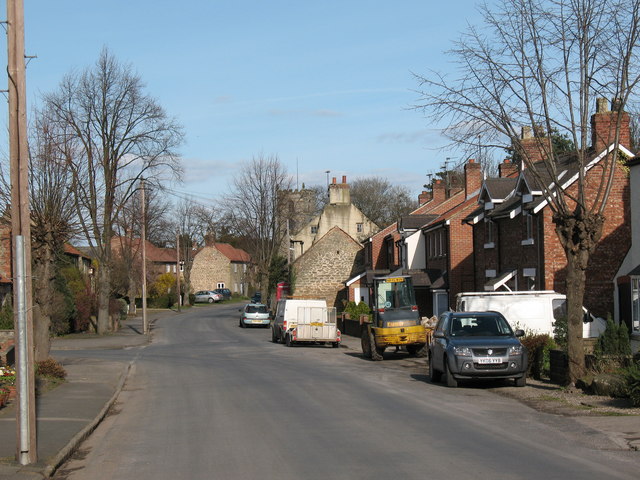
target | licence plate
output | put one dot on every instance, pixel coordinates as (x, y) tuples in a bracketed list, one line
[(257, 321), (489, 360)]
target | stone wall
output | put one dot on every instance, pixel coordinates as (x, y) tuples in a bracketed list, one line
[(210, 267), (323, 269)]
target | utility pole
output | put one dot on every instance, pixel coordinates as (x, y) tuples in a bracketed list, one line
[(143, 240), (178, 268), (26, 451)]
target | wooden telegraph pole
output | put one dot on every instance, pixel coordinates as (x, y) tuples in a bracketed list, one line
[(26, 452)]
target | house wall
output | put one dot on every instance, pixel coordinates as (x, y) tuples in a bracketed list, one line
[(416, 251), (547, 255), (209, 268), (323, 270)]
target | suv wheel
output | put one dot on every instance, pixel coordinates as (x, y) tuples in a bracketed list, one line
[(448, 378), (434, 375)]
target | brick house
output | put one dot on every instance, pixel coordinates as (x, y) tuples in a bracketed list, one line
[(627, 282), (323, 270), (159, 260), (431, 244), (514, 239), (220, 265)]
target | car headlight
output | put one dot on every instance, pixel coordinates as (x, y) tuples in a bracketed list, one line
[(515, 350), (462, 351)]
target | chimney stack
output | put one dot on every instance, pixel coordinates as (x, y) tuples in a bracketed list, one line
[(507, 169), (438, 191), (472, 177), (532, 144), (339, 193), (603, 125), (424, 197)]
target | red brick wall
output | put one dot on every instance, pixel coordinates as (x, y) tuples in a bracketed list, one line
[(547, 255)]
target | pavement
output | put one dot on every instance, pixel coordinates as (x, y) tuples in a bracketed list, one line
[(68, 414)]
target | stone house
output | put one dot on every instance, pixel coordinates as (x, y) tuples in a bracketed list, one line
[(220, 265), (627, 281), (514, 238), (339, 212), (322, 271)]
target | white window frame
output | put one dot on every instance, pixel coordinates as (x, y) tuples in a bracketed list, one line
[(635, 305)]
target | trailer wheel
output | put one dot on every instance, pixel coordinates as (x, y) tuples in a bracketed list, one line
[(335, 344), (287, 340), (418, 350)]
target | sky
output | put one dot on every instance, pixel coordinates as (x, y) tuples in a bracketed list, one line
[(324, 86)]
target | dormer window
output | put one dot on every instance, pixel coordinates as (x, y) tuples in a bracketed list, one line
[(527, 228), (314, 229), (488, 205), (489, 233), (527, 198)]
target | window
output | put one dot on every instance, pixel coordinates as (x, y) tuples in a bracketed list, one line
[(314, 229), (635, 304), (489, 234), (527, 227), (235, 268), (359, 227), (220, 285)]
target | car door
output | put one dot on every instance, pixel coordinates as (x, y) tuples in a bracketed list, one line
[(439, 344)]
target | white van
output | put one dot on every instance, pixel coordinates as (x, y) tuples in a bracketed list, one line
[(533, 310), (305, 321)]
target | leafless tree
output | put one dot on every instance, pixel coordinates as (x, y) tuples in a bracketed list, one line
[(252, 207), (543, 64), (380, 201), (53, 223), (114, 135)]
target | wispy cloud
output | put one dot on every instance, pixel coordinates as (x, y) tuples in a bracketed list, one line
[(417, 136)]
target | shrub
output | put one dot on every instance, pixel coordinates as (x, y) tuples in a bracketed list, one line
[(355, 311), (560, 331), (50, 368), (614, 340), (538, 347), (632, 375), (6, 316)]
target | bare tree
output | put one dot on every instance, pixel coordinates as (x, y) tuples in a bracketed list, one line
[(53, 223), (194, 224), (113, 136), (252, 207), (381, 202), (542, 64)]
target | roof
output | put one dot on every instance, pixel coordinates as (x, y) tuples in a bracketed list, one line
[(414, 222), (499, 188), (232, 253), (71, 250)]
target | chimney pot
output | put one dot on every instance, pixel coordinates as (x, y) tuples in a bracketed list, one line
[(334, 180), (344, 179)]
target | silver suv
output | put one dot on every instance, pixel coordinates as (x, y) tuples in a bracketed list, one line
[(469, 345)]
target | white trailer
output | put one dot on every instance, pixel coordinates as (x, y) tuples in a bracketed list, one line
[(305, 321), (534, 311)]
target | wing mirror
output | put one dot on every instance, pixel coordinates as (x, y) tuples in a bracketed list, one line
[(438, 334), (519, 333)]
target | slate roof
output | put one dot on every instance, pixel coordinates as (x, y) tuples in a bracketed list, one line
[(232, 253)]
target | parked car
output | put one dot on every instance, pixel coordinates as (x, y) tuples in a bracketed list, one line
[(225, 292), (255, 314), (207, 296), (468, 345), (257, 298)]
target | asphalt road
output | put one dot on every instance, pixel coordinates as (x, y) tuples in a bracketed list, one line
[(209, 400)]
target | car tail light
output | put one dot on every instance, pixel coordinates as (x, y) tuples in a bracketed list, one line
[(414, 308)]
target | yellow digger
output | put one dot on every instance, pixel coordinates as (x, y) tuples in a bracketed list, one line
[(395, 321)]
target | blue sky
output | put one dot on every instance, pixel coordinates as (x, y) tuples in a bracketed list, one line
[(323, 85)]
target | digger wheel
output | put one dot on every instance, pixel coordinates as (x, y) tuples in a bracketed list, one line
[(419, 351), (376, 352), (366, 344)]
